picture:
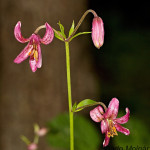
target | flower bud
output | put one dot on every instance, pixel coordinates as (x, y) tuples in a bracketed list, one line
[(42, 132), (32, 146), (98, 32)]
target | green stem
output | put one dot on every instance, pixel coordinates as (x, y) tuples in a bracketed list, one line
[(36, 139), (79, 23), (69, 96), (39, 28)]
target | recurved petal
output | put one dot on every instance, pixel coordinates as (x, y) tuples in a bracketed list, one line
[(106, 141), (122, 129), (112, 110), (24, 54), (96, 114), (32, 63), (123, 119), (104, 126), (49, 35), (39, 62), (17, 33)]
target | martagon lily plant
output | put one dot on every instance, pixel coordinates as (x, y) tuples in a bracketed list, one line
[(107, 116)]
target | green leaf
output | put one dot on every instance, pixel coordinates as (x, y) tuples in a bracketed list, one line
[(80, 33), (74, 107), (84, 103), (57, 36), (86, 136), (72, 28), (25, 140), (36, 128), (62, 29)]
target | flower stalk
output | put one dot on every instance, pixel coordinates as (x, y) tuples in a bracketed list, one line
[(39, 28), (67, 40), (79, 23), (69, 96)]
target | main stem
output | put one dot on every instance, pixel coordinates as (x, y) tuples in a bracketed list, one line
[(69, 96)]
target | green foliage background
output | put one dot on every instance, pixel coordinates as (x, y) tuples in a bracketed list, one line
[(86, 135)]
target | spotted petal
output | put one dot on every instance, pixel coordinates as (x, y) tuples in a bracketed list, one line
[(96, 114), (112, 110), (106, 141), (39, 62), (122, 129), (17, 33), (24, 54), (123, 119), (49, 35), (33, 63), (104, 126)]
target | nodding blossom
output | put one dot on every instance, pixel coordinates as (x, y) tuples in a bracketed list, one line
[(33, 49), (42, 132), (98, 32), (109, 123), (32, 146)]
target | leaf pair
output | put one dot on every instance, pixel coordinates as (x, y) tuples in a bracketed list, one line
[(61, 34)]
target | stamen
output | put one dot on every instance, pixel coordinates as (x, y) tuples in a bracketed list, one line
[(34, 52), (112, 129), (30, 53), (36, 55)]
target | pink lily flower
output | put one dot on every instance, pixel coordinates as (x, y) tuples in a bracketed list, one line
[(42, 132), (109, 123), (33, 48), (32, 146)]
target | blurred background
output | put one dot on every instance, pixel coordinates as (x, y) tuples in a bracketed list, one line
[(119, 69)]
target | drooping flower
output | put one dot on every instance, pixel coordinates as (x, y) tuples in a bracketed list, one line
[(32, 146), (98, 32), (109, 123), (42, 132), (33, 49)]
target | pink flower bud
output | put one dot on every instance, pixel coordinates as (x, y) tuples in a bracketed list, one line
[(98, 32), (32, 146), (42, 132)]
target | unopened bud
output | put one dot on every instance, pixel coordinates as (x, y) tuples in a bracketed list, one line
[(32, 146), (98, 32), (42, 132)]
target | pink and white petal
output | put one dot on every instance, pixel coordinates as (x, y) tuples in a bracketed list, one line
[(49, 35), (96, 114), (122, 129), (39, 62), (24, 54), (104, 126), (17, 33), (106, 140), (112, 110), (123, 119), (32, 63)]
